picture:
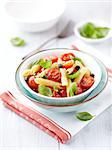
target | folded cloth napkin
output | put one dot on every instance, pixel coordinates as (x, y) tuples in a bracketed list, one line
[(35, 117)]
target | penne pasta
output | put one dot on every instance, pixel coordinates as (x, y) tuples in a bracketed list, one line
[(47, 82), (64, 79), (35, 69), (83, 71)]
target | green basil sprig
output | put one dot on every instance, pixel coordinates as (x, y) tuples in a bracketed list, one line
[(45, 63), (73, 89), (84, 116), (45, 90)]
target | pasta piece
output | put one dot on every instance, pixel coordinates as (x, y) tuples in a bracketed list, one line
[(68, 63), (83, 71), (54, 65), (64, 79), (35, 68), (78, 63), (68, 87), (47, 82), (27, 73), (60, 61)]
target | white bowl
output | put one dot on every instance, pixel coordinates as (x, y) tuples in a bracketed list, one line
[(89, 61), (97, 23), (35, 15)]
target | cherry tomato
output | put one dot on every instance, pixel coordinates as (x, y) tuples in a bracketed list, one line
[(68, 64), (79, 90), (54, 59), (87, 82), (31, 83), (63, 93), (56, 94), (54, 75), (67, 56)]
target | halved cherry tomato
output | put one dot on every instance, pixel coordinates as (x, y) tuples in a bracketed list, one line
[(54, 75), (63, 93), (68, 64), (87, 82), (67, 56), (31, 83), (52, 58)]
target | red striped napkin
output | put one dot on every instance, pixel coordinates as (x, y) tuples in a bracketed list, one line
[(35, 117)]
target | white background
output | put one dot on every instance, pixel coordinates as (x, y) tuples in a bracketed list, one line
[(16, 133)]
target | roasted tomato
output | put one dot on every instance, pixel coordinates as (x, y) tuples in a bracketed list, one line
[(63, 93), (87, 82), (67, 56), (56, 94), (54, 75), (31, 83), (68, 64)]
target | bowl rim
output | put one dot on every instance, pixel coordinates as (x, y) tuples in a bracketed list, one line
[(34, 21), (95, 21), (65, 105), (58, 99)]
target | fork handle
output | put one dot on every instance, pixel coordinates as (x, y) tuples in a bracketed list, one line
[(38, 48)]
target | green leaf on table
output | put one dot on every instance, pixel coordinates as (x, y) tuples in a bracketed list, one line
[(84, 116), (45, 63), (16, 41), (45, 90)]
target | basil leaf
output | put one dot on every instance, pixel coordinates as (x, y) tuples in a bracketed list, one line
[(87, 30), (45, 63), (73, 89), (17, 41), (45, 90), (84, 116), (101, 31), (74, 75), (80, 60)]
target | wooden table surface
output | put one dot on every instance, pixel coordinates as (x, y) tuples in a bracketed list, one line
[(18, 134)]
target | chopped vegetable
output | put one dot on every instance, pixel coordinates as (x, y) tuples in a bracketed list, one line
[(45, 90), (84, 116), (16, 41), (73, 89)]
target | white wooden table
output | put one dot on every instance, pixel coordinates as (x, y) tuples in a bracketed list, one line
[(18, 134)]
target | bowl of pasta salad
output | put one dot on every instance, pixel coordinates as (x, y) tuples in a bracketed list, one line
[(60, 76)]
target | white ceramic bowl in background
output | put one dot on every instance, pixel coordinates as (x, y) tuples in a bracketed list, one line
[(35, 15), (90, 62), (97, 23)]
